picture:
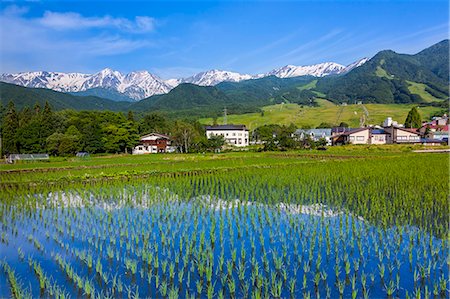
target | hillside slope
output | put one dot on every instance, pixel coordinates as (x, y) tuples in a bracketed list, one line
[(384, 78), (24, 96)]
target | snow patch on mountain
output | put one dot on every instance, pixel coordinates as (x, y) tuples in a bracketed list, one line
[(316, 70), (355, 64), (136, 85), (213, 77)]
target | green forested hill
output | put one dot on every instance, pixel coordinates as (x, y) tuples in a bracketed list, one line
[(246, 96), (105, 94), (23, 96), (387, 77)]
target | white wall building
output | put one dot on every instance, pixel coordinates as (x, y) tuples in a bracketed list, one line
[(236, 135), (154, 143), (314, 134)]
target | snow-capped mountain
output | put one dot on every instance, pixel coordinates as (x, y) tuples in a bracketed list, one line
[(317, 70), (142, 84), (211, 77), (136, 85), (67, 82), (355, 64)]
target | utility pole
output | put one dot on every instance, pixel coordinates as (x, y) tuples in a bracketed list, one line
[(225, 116)]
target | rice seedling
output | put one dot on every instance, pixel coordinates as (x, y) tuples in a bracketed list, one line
[(282, 230)]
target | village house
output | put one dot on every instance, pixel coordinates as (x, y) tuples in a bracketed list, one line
[(314, 134), (402, 135), (153, 143), (377, 135), (236, 135), (352, 136)]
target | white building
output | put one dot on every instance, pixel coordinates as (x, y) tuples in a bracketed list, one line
[(314, 134), (154, 143), (236, 135)]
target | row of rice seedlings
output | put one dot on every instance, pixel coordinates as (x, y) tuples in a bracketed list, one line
[(16, 288)]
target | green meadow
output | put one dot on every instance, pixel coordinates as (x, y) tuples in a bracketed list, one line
[(304, 116)]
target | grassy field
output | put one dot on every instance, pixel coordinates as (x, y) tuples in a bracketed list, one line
[(419, 89), (285, 114)]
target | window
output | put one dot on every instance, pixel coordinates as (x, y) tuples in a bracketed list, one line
[(360, 138), (234, 134), (402, 138), (352, 137), (227, 134), (413, 137)]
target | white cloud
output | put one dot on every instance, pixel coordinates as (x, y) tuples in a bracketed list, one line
[(75, 21), (66, 39)]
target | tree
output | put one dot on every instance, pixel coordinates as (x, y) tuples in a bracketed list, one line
[(324, 125), (53, 142), (184, 135), (130, 116), (343, 125), (153, 123), (321, 142), (215, 142), (29, 137), (70, 143), (413, 120), (9, 130)]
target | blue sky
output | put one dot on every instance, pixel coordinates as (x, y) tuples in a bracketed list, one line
[(178, 39)]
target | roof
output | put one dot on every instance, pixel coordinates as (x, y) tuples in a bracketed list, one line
[(316, 132), (379, 132), (353, 131), (412, 130), (225, 127), (441, 133), (154, 136), (431, 140), (436, 127), (340, 130)]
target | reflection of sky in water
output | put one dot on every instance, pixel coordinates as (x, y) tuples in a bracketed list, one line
[(299, 235)]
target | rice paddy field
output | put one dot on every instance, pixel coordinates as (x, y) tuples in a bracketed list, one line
[(353, 223)]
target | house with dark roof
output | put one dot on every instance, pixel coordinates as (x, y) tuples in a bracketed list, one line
[(235, 135)]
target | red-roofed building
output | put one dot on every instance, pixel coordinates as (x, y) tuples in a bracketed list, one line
[(154, 143)]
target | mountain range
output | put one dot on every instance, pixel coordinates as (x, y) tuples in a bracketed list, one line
[(138, 85), (388, 77)]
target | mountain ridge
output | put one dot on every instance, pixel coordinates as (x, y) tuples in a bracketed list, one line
[(139, 85)]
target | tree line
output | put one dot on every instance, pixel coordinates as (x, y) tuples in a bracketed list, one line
[(42, 130)]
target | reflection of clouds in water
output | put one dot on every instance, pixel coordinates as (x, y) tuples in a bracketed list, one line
[(314, 209), (146, 200)]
